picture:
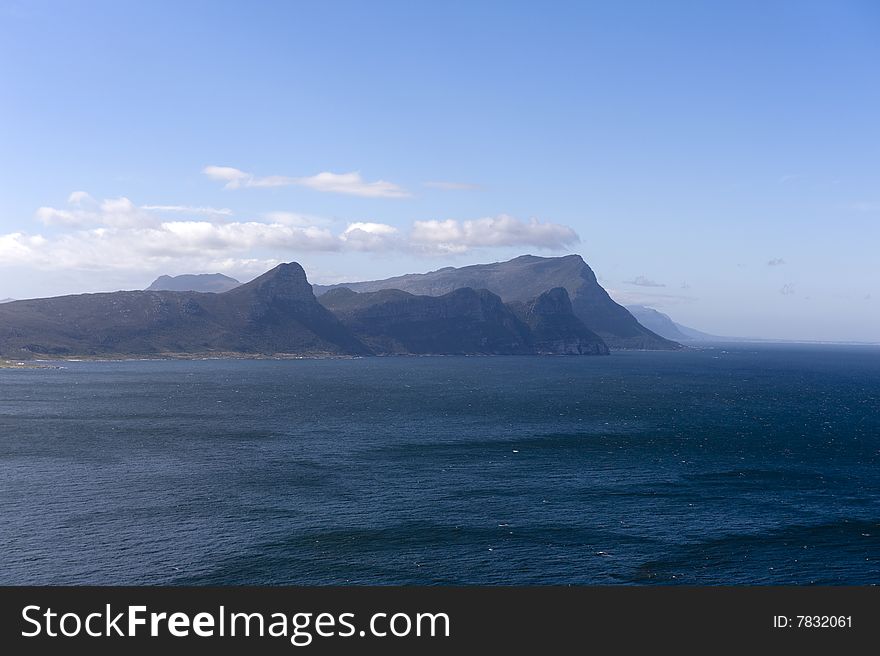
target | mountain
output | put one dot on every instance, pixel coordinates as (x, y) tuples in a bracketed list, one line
[(279, 314), (6, 300), (525, 278), (215, 283), (463, 321), (663, 325), (276, 313), (656, 321), (554, 326)]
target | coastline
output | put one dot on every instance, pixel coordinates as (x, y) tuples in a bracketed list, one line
[(47, 361), (167, 357), (26, 364)]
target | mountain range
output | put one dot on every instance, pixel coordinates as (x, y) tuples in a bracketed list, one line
[(528, 305), (276, 313), (524, 278), (463, 321)]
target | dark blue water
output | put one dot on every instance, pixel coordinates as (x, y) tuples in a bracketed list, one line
[(729, 465)]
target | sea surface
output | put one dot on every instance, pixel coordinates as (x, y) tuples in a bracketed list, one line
[(735, 464)]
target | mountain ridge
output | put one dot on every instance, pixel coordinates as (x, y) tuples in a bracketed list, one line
[(215, 283), (465, 320), (524, 278), (278, 313), (249, 319)]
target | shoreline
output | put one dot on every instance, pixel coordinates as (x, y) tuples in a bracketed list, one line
[(45, 361), (26, 364), (187, 357)]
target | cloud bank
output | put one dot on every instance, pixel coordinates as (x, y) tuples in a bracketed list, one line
[(453, 236), (116, 233)]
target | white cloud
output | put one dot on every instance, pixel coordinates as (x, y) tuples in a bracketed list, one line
[(351, 184), (367, 236), (453, 236), (85, 211), (52, 216), (195, 236), (371, 228), (148, 248), (233, 178), (115, 234), (17, 247), (80, 198)]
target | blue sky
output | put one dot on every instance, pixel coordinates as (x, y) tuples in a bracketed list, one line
[(720, 162)]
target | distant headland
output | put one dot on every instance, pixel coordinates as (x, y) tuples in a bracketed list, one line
[(526, 306)]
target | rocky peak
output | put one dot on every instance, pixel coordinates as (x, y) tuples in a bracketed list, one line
[(284, 282), (553, 301)]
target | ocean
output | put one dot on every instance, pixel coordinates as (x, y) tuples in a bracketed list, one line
[(730, 464)]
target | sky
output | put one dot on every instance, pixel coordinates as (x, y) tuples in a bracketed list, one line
[(717, 161)]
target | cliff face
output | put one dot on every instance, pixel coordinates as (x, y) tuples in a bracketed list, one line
[(279, 311), (527, 277), (464, 321), (555, 328), (276, 313)]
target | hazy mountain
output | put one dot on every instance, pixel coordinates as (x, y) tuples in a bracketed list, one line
[(276, 313), (525, 278), (464, 321), (663, 325), (194, 282), (6, 300)]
